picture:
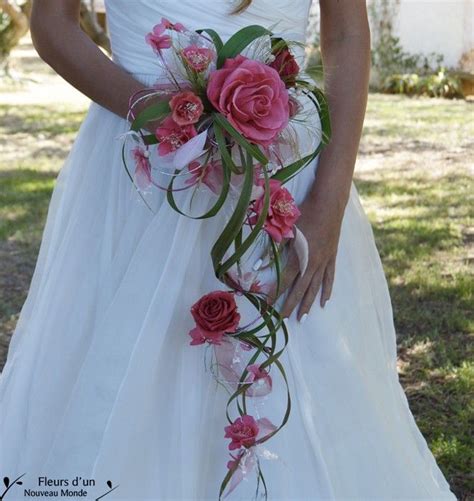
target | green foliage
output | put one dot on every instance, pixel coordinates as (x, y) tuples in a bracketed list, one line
[(388, 57), (6, 28), (399, 72), (440, 84)]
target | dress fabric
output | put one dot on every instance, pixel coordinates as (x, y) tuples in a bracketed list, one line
[(100, 380)]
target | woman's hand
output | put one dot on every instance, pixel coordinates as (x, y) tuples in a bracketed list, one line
[(320, 222), (345, 49)]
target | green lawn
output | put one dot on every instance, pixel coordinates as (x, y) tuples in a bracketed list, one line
[(419, 200), (415, 181)]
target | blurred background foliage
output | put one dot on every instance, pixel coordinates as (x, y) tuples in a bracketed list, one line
[(395, 70)]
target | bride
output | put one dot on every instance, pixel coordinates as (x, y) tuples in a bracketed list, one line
[(101, 391)]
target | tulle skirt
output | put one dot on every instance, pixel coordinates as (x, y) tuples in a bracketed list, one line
[(101, 381)]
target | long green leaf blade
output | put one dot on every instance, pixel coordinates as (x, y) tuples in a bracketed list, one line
[(217, 40), (239, 41), (250, 148), (153, 112)]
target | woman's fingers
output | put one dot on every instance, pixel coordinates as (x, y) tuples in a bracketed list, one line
[(304, 289), (328, 281), (310, 294), (296, 294)]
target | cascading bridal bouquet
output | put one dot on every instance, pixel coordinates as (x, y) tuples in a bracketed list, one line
[(226, 120)]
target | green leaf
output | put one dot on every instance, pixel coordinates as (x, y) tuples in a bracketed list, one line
[(150, 139), (152, 112), (284, 175), (262, 479), (224, 150), (276, 260), (235, 223), (217, 40), (214, 209), (321, 103), (245, 245), (239, 139), (239, 41)]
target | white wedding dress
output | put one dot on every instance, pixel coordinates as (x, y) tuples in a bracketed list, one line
[(100, 379)]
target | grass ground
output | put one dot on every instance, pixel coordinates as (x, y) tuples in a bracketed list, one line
[(414, 174)]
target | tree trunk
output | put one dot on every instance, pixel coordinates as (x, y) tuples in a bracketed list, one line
[(16, 25), (91, 26), (15, 28)]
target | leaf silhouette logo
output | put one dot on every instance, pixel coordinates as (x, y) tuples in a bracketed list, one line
[(109, 485), (9, 485)]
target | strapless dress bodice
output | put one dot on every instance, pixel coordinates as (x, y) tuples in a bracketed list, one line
[(130, 20)]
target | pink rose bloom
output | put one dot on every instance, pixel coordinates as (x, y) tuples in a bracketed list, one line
[(243, 432), (158, 40), (172, 136), (287, 67), (215, 314), (142, 168), (282, 214), (210, 174), (186, 108), (252, 97), (198, 58)]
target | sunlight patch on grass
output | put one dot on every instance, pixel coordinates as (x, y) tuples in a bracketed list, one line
[(415, 180)]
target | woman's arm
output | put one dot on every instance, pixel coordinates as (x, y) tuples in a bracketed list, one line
[(60, 42), (345, 47)]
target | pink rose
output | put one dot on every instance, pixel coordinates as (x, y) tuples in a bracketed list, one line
[(142, 168), (210, 174), (186, 108), (198, 58), (282, 213), (172, 136), (243, 432), (287, 67), (215, 314), (252, 97)]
